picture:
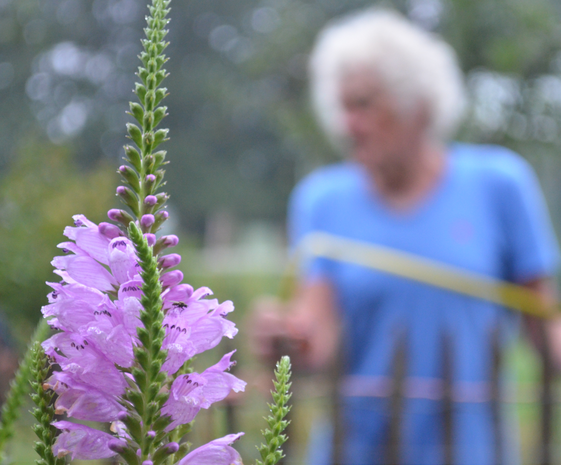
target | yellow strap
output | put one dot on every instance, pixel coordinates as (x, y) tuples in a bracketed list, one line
[(423, 270)]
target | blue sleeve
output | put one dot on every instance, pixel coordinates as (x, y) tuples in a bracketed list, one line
[(531, 247), (305, 217)]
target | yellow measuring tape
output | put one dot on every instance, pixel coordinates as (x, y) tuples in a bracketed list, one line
[(406, 265)]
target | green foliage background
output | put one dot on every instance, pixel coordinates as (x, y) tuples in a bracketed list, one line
[(37, 200), (241, 129)]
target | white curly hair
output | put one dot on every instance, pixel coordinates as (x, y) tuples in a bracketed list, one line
[(415, 66)]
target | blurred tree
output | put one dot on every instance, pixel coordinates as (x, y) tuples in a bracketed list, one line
[(241, 129), (37, 201)]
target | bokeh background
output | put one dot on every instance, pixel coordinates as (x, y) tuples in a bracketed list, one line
[(241, 134)]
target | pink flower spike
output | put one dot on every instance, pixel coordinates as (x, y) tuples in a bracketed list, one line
[(151, 239), (147, 220)]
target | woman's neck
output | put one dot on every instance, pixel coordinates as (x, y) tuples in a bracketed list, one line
[(404, 185)]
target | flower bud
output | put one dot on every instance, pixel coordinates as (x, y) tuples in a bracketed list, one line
[(122, 415), (150, 200), (162, 199), (171, 278), (172, 447), (148, 462), (109, 230), (169, 261), (136, 111), (133, 157), (117, 445), (150, 239), (160, 136), (170, 241), (120, 216), (165, 450), (135, 133), (159, 158), (159, 218), (130, 176), (147, 220), (159, 114), (160, 94), (164, 242), (129, 198), (151, 434)]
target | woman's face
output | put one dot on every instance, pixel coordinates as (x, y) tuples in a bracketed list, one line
[(383, 138)]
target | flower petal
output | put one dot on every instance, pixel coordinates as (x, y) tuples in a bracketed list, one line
[(83, 442), (217, 452)]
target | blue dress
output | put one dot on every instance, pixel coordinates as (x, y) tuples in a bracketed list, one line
[(487, 215)]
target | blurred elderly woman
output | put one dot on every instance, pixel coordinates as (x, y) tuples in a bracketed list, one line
[(391, 95)]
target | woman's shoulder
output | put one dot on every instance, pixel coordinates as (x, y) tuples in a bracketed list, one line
[(491, 163), (325, 184), (330, 179)]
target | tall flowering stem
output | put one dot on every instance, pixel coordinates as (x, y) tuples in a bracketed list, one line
[(145, 400), (128, 327), (145, 175), (272, 452), (44, 411)]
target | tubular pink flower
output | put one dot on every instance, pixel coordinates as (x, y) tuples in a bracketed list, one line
[(189, 393), (171, 278), (109, 230), (170, 241), (97, 309), (169, 261), (83, 442), (217, 452)]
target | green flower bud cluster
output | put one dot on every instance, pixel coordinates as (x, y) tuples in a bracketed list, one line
[(145, 397), (145, 174), (146, 393), (19, 388), (44, 413), (271, 453)]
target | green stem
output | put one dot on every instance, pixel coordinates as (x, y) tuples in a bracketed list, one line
[(146, 399), (19, 388), (44, 413), (272, 452)]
